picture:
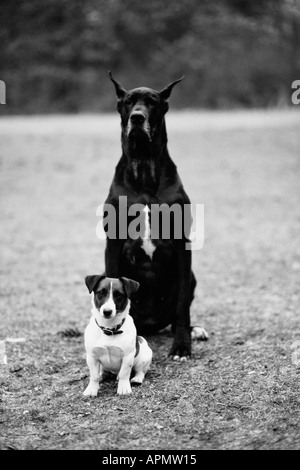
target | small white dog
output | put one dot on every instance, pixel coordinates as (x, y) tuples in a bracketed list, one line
[(111, 340)]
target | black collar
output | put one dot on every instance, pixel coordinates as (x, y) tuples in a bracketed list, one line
[(111, 331)]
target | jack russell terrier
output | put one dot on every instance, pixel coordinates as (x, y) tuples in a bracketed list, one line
[(111, 340)]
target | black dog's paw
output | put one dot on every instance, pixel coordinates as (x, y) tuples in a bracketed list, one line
[(181, 347)]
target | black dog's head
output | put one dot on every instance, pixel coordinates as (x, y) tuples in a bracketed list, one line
[(142, 109)]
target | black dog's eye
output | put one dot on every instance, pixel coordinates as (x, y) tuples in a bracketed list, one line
[(128, 101), (150, 101)]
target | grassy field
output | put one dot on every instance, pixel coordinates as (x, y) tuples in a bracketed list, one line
[(241, 389)]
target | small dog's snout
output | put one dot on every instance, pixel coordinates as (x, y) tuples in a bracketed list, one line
[(107, 312), (137, 118)]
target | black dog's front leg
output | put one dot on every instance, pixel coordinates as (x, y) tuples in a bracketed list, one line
[(181, 324), (113, 253)]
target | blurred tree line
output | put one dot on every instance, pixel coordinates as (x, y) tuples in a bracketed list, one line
[(55, 54)]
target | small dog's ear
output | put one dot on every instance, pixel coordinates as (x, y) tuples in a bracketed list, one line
[(92, 281), (130, 286), (120, 91), (166, 92)]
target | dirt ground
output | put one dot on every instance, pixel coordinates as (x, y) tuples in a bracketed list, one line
[(240, 390)]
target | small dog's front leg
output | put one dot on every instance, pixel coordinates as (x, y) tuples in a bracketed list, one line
[(124, 387), (96, 372)]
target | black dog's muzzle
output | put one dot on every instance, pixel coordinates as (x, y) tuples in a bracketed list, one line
[(137, 118), (138, 122)]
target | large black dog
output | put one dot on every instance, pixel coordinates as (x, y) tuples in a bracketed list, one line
[(146, 174)]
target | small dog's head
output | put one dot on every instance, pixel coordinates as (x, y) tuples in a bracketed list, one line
[(111, 295), (142, 109)]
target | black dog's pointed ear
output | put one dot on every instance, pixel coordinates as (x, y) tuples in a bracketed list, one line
[(120, 91), (166, 92), (130, 286), (92, 281)]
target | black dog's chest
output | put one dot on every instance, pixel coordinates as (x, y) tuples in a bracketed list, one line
[(148, 255), (142, 175)]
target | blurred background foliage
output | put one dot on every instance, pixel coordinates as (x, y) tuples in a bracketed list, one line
[(55, 54)]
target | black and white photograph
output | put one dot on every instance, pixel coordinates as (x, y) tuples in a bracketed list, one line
[(150, 227)]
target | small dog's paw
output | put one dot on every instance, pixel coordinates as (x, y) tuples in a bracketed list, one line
[(199, 334), (124, 388), (138, 379), (91, 390)]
